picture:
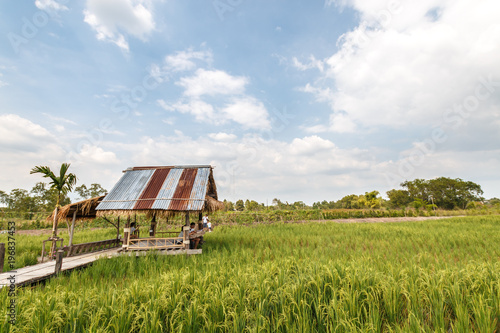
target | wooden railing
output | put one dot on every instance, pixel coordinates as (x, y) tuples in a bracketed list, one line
[(155, 243), (77, 249)]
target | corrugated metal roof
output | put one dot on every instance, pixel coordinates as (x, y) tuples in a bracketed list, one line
[(174, 188)]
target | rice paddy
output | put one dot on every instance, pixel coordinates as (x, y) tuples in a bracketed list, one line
[(428, 276)]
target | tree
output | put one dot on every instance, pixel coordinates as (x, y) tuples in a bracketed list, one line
[(228, 206), (20, 200), (399, 198), (4, 198), (446, 193), (95, 190), (240, 206), (252, 205), (372, 200), (349, 201), (62, 184)]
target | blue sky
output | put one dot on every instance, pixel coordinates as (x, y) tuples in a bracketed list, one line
[(290, 99)]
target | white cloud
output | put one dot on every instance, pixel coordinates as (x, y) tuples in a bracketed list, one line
[(313, 63), (21, 134), (58, 119), (403, 66), (221, 136), (185, 60), (258, 167), (203, 112), (112, 18), (310, 145), (95, 154), (248, 112), (226, 93), (212, 82), (50, 6)]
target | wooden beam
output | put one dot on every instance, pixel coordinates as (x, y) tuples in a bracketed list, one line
[(72, 231)]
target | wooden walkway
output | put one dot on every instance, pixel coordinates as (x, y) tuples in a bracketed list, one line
[(36, 273)]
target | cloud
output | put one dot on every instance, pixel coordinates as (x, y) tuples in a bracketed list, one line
[(186, 60), (203, 112), (59, 119), (213, 96), (310, 145), (259, 167), (248, 112), (95, 154), (221, 136), (402, 66), (111, 19), (212, 82), (313, 63), (21, 134), (50, 6)]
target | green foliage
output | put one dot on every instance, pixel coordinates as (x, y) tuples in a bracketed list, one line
[(429, 276), (399, 198), (446, 193), (240, 206), (62, 184), (95, 190)]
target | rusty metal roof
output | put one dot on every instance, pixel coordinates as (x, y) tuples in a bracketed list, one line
[(169, 188)]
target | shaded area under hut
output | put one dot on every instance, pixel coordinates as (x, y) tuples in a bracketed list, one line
[(161, 192)]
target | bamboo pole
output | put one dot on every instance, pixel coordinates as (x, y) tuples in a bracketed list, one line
[(72, 229)]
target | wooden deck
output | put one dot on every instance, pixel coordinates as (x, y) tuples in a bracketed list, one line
[(36, 273)]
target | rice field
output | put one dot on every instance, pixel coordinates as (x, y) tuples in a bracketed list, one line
[(428, 276)]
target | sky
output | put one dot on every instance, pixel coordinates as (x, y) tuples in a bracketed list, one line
[(296, 100)]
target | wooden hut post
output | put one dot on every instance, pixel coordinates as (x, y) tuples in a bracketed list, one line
[(118, 228), (152, 229), (200, 223), (59, 259), (72, 229), (126, 232), (185, 235)]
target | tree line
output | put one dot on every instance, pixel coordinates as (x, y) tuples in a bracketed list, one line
[(439, 193), (43, 198)]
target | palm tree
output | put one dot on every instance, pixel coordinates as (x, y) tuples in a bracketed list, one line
[(62, 184)]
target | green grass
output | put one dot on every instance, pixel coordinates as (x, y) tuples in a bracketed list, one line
[(429, 276)]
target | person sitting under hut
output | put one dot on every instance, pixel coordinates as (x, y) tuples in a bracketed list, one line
[(134, 230), (194, 241)]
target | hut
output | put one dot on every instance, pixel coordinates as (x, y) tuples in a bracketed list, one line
[(162, 192)]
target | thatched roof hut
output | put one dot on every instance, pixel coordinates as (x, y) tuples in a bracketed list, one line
[(162, 191)]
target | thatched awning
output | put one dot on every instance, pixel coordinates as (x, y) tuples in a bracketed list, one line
[(85, 209)]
